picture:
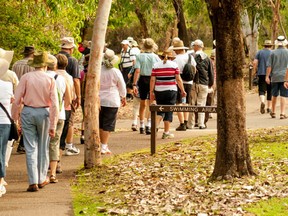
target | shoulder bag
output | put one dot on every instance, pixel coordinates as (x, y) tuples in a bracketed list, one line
[(14, 134)]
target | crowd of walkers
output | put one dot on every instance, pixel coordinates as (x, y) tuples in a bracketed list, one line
[(41, 93)]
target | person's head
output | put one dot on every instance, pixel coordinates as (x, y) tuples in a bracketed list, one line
[(7, 55), (28, 51), (267, 44), (109, 58), (67, 45), (52, 65), (125, 44), (134, 43), (167, 55), (178, 47), (40, 60), (62, 61), (4, 66), (149, 45), (130, 39), (281, 41), (198, 45)]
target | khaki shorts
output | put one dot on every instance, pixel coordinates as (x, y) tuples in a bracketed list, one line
[(54, 153)]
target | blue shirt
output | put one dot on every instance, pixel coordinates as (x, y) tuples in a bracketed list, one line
[(262, 57), (278, 61), (145, 62)]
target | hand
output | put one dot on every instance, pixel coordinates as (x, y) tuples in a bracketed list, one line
[(123, 101), (267, 79), (286, 85), (77, 102), (183, 94), (152, 97), (129, 75), (135, 90), (52, 133)]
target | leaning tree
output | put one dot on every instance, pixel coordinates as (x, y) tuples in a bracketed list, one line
[(232, 156)]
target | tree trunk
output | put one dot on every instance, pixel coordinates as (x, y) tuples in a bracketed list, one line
[(143, 22), (250, 33), (275, 19), (181, 25), (92, 154), (232, 156)]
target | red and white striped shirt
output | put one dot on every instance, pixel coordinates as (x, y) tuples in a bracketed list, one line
[(165, 75)]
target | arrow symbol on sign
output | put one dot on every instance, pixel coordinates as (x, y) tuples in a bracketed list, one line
[(161, 108)]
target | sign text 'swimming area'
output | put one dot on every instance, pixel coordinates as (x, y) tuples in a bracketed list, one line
[(167, 108)]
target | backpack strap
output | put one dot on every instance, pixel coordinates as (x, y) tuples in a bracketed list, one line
[(55, 77)]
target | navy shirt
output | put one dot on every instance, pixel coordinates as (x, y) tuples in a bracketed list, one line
[(73, 66), (262, 57)]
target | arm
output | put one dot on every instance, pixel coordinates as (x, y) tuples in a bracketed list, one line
[(180, 85), (152, 87), (286, 79), (135, 80), (77, 101), (54, 108), (67, 95), (268, 72)]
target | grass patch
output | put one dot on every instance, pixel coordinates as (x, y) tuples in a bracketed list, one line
[(271, 207), (175, 180)]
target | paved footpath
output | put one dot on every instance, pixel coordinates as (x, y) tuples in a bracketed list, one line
[(56, 199)]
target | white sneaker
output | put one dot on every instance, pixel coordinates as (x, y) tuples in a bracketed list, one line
[(72, 151), (105, 151), (2, 189), (167, 136)]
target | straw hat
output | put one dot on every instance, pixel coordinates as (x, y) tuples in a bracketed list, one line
[(267, 43), (4, 66), (52, 61), (149, 45), (168, 54), (110, 56), (281, 41), (40, 59), (67, 43), (179, 45), (7, 55), (134, 43)]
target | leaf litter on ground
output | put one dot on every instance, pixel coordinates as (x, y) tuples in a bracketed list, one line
[(175, 181)]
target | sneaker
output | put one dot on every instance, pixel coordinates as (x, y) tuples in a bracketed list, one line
[(134, 127), (148, 130), (181, 127), (262, 108), (2, 189), (72, 151), (105, 151), (142, 130), (167, 136), (20, 150), (202, 127)]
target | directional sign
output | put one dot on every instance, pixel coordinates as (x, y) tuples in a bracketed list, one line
[(168, 108)]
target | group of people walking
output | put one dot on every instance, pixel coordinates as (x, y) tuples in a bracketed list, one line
[(270, 66)]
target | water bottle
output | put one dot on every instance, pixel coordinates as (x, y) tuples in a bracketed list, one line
[(183, 100)]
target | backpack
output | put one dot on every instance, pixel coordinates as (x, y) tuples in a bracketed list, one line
[(60, 100), (188, 71)]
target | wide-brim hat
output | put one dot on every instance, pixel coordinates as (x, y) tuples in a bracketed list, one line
[(110, 56), (7, 55), (4, 66), (267, 43), (149, 45), (199, 43), (125, 42), (179, 45), (28, 50), (168, 54), (134, 43), (40, 59), (67, 43), (281, 41), (52, 61)]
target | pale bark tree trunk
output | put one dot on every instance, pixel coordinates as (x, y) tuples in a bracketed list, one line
[(92, 154), (232, 156), (181, 25), (275, 19), (250, 33)]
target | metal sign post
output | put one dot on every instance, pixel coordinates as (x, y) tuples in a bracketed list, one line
[(167, 108)]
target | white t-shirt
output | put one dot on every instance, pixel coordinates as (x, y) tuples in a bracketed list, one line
[(181, 60), (6, 89), (61, 87)]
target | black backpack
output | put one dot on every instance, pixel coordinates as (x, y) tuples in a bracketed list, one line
[(188, 72)]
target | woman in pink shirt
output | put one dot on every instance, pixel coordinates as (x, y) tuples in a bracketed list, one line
[(37, 92)]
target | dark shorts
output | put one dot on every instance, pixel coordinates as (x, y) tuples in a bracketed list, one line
[(188, 89), (107, 118), (144, 87), (279, 87), (263, 87), (125, 72), (166, 98)]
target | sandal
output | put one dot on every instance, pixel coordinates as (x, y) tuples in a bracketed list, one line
[(53, 179), (273, 115), (283, 116)]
